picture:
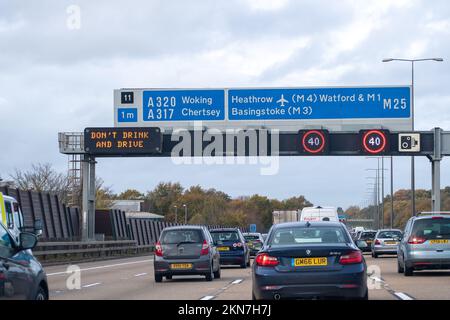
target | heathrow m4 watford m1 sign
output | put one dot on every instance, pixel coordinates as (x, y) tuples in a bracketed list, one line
[(286, 109)]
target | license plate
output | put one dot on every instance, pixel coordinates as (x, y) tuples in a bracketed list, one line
[(223, 248), (391, 242), (439, 241), (309, 262), (181, 266)]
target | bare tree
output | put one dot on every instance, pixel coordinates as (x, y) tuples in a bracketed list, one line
[(42, 178)]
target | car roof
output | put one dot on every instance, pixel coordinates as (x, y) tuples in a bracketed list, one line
[(312, 223), (184, 228), (430, 216), (224, 229)]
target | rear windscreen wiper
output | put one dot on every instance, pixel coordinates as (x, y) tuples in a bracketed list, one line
[(184, 242)]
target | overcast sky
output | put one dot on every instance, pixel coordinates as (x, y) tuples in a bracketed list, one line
[(57, 77)]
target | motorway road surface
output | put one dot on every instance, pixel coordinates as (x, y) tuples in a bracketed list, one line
[(132, 278)]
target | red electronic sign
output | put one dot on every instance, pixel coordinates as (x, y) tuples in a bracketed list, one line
[(374, 141), (314, 141)]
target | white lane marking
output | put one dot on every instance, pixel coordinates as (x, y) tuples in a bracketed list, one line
[(92, 285), (237, 281), (377, 279), (102, 267), (207, 298), (140, 274), (403, 296)]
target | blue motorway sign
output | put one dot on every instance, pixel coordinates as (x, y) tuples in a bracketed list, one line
[(253, 228), (183, 105), (319, 103)]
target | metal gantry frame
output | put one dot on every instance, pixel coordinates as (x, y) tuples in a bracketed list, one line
[(88, 162)]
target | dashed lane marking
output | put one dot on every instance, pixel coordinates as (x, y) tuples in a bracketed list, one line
[(207, 298), (102, 267), (92, 285), (140, 274), (237, 281), (403, 296)]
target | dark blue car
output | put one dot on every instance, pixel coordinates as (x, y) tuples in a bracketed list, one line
[(305, 260), (232, 247)]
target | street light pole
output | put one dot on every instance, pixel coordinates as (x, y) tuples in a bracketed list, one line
[(185, 213), (413, 178), (176, 214)]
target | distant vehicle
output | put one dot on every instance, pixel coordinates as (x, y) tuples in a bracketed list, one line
[(309, 260), (425, 243), (264, 235), (12, 217), (386, 242), (186, 250), (21, 275), (254, 242), (319, 213), (232, 247), (284, 216), (367, 236)]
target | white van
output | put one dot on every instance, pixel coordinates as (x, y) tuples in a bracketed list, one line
[(319, 213), (12, 218)]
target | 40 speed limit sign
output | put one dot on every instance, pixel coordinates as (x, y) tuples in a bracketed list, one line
[(374, 142), (314, 142)]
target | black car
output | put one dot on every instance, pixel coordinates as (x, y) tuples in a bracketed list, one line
[(21, 275), (186, 250), (232, 247), (368, 236), (305, 260)]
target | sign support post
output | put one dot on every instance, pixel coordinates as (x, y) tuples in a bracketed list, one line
[(88, 198), (436, 171)]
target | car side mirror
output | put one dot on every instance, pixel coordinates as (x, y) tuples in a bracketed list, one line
[(27, 240), (38, 226), (361, 244)]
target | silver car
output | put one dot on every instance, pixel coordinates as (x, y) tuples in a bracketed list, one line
[(425, 244), (386, 242)]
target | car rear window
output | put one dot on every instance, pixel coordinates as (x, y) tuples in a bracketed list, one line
[(389, 234), (368, 235), (299, 235), (185, 236), (225, 236), (432, 228)]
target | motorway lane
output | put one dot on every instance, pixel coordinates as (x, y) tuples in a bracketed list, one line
[(423, 285), (133, 278)]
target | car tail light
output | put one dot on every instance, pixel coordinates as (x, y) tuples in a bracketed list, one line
[(377, 241), (435, 218), (351, 258), (264, 260), (205, 248), (158, 249), (416, 240)]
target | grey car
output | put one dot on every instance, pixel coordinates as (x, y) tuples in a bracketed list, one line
[(186, 250), (425, 244), (386, 242), (21, 275)]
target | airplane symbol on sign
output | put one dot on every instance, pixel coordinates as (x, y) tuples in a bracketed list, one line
[(282, 101)]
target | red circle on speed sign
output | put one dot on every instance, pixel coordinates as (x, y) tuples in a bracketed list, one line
[(313, 148), (379, 141)]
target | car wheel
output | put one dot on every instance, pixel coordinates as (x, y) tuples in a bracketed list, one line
[(41, 294), (217, 273), (374, 255), (366, 296), (158, 277), (244, 264), (399, 267), (210, 275), (248, 262), (408, 272), (169, 277), (253, 296)]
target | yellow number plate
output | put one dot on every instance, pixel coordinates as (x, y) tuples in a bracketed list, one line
[(181, 266), (310, 262), (223, 248), (439, 241), (390, 242)]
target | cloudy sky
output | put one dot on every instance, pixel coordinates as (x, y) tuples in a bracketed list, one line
[(58, 74)]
